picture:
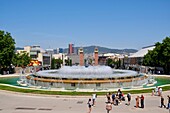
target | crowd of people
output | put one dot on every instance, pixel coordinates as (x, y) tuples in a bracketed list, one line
[(112, 99), (158, 92), (116, 99)]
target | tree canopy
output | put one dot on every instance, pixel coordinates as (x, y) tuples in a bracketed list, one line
[(112, 63), (21, 59), (56, 63), (68, 62), (159, 56), (7, 49)]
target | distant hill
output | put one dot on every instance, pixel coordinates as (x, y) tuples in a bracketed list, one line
[(90, 49), (19, 48)]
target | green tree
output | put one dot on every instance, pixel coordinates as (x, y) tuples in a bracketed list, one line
[(21, 59), (7, 49), (109, 62), (68, 62), (58, 63), (114, 64), (53, 63), (118, 63), (159, 56)]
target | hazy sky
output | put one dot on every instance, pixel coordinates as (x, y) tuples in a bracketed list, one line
[(109, 23)]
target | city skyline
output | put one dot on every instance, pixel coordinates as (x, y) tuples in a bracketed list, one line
[(113, 24)]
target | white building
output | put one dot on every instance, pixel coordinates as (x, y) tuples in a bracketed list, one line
[(137, 58), (37, 53)]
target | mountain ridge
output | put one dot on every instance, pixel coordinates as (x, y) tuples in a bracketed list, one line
[(90, 49)]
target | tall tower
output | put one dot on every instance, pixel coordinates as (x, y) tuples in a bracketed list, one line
[(96, 56), (70, 49), (81, 56)]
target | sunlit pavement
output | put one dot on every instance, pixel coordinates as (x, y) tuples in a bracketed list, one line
[(28, 103)]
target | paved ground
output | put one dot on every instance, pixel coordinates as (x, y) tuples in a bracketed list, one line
[(26, 103)]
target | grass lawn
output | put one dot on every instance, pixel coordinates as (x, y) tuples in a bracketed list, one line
[(73, 93)]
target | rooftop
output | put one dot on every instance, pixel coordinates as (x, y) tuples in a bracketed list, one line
[(142, 52)]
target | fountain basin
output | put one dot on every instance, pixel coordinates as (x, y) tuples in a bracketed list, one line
[(93, 77)]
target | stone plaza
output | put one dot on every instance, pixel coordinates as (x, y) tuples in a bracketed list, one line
[(12, 102)]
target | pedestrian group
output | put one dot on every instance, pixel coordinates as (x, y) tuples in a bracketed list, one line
[(116, 99)]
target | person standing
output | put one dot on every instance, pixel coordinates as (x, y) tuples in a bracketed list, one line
[(142, 101), (113, 98), (108, 107), (108, 97), (153, 93), (89, 105), (119, 92), (156, 90), (116, 100), (137, 102), (168, 106), (160, 91), (129, 98), (162, 102)]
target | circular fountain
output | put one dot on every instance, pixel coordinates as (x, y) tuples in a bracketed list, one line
[(92, 77)]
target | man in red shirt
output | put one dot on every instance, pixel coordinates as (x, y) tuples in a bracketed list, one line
[(142, 101)]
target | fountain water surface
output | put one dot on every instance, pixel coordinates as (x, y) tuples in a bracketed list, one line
[(86, 72), (92, 77)]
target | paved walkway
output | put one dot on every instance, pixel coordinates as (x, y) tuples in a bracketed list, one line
[(27, 103)]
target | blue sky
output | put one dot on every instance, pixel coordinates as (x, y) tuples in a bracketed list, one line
[(109, 23)]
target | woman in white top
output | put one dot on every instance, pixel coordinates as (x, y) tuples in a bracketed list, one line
[(94, 99)]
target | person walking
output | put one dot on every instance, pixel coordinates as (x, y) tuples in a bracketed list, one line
[(142, 101), (162, 102), (89, 105), (94, 96), (108, 107)]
